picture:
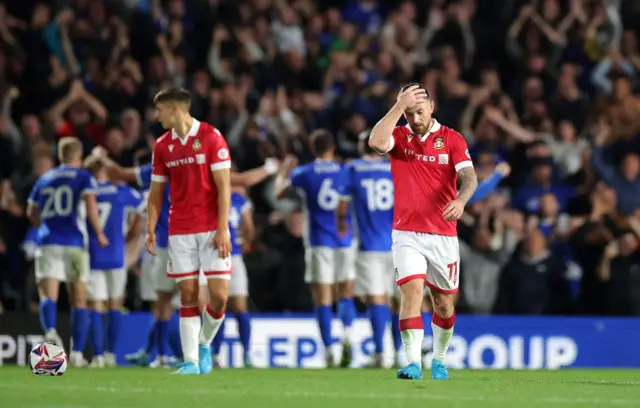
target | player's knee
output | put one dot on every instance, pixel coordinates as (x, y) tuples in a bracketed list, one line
[(443, 304), (218, 301), (189, 296)]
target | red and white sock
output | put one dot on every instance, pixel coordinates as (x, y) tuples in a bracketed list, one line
[(211, 322), (412, 331), (189, 329), (442, 332)]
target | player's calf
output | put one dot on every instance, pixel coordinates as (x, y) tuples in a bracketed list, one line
[(238, 305), (442, 325), (212, 318), (411, 327)]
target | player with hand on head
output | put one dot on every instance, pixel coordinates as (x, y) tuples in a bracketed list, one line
[(427, 159), (242, 231), (193, 156), (108, 276), (56, 207), (366, 185), (330, 257)]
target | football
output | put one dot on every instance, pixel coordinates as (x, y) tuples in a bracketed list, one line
[(48, 359)]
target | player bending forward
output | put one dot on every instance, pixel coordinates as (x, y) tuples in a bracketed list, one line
[(195, 158), (426, 161)]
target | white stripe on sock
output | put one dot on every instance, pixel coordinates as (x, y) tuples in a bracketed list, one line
[(412, 342), (441, 341), (189, 330)]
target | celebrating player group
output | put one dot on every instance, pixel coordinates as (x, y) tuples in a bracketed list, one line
[(402, 194)]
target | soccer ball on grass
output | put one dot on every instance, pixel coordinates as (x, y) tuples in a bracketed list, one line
[(48, 359)]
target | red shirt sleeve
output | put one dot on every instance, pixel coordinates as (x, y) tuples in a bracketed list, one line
[(159, 171), (219, 157), (459, 151)]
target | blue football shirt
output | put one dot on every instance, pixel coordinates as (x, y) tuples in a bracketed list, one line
[(317, 183), (114, 204), (367, 183), (58, 195)]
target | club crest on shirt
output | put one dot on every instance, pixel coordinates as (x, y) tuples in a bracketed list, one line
[(438, 143), (171, 148), (196, 145)]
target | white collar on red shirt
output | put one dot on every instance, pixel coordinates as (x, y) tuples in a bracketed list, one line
[(192, 132), (434, 128)]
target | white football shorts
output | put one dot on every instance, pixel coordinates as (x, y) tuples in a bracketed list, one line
[(330, 265), (62, 263), (106, 284), (239, 285), (190, 253), (147, 281), (163, 283), (435, 258), (374, 274)]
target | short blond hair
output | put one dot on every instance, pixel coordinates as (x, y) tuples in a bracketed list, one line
[(93, 164), (69, 148)]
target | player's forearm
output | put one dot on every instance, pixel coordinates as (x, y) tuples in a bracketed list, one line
[(381, 132), (153, 212), (468, 183), (223, 184), (116, 172), (154, 205), (93, 214), (249, 178), (34, 216)]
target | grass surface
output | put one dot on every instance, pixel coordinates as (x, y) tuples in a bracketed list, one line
[(155, 388)]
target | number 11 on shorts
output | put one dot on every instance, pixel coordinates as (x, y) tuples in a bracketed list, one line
[(453, 272)]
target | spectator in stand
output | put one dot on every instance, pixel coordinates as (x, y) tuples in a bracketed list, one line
[(558, 101)]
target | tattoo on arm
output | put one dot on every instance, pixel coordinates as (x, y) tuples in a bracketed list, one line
[(468, 183)]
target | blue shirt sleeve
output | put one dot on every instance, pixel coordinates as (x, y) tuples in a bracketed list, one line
[(486, 187), (297, 177), (143, 176), (34, 196), (345, 182), (132, 199), (88, 183)]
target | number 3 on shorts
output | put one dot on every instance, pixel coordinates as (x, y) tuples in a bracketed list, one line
[(453, 272)]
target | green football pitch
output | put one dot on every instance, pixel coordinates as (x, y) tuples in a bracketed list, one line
[(155, 388)]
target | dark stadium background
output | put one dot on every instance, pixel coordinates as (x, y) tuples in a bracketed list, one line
[(549, 86)]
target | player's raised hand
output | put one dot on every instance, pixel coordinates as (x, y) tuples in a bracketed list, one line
[(150, 243), (453, 210), (103, 241), (411, 96), (222, 241)]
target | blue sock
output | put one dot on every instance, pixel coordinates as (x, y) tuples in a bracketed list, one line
[(244, 330), (379, 316), (217, 341), (114, 321), (79, 328), (96, 334), (152, 338), (395, 331), (47, 314), (163, 333), (347, 311), (324, 314), (174, 336), (426, 321)]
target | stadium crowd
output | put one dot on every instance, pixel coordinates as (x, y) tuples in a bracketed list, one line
[(546, 86)]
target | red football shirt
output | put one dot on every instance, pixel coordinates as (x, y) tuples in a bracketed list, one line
[(425, 171), (187, 164)]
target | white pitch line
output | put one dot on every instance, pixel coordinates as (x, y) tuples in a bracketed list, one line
[(317, 394)]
